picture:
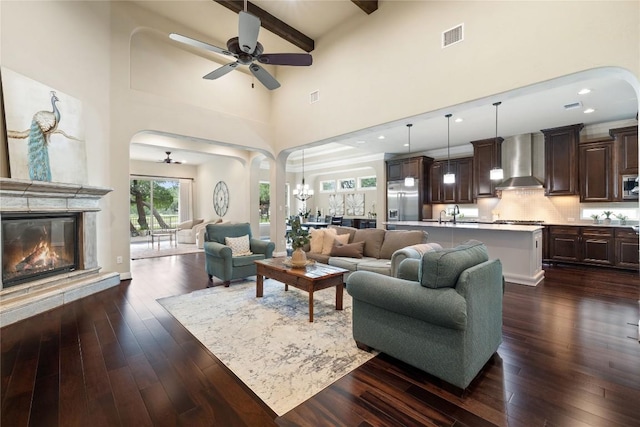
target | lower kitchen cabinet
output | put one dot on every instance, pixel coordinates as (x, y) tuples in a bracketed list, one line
[(627, 247), (606, 246)]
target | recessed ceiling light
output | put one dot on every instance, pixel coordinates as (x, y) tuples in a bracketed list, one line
[(589, 111), (360, 142), (405, 145), (584, 91), (381, 137), (458, 120)]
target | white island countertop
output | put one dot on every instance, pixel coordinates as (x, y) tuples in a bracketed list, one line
[(519, 247)]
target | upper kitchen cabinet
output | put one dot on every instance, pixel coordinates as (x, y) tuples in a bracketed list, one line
[(626, 141), (596, 171), (415, 167), (561, 160), (487, 155), (459, 192)]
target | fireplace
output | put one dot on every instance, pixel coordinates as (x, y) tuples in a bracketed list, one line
[(37, 245)]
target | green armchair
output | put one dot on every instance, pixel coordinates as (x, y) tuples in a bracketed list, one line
[(442, 314), (219, 260)]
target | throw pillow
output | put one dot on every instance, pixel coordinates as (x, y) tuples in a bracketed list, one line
[(316, 239), (329, 238), (239, 245), (351, 250)]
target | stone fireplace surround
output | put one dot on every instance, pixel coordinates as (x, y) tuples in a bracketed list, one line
[(34, 297)]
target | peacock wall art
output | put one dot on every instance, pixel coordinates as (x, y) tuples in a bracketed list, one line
[(44, 131)]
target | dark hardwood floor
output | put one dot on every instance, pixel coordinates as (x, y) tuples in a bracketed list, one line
[(570, 357)]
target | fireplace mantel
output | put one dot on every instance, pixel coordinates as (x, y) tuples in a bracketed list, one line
[(23, 196)]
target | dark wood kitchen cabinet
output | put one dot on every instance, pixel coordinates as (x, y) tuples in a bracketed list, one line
[(561, 160), (627, 248), (596, 171), (415, 167), (592, 245), (459, 192), (626, 140), (597, 245), (563, 243), (487, 154)]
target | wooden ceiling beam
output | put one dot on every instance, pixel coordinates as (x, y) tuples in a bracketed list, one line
[(368, 6), (271, 23)]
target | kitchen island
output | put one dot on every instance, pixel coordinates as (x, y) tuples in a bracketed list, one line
[(519, 247)]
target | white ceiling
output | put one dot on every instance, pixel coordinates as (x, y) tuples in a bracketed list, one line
[(524, 110)]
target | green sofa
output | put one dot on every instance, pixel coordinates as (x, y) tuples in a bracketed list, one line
[(219, 261), (442, 314)]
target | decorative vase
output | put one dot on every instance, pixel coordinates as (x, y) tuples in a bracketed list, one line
[(623, 222), (298, 258), (607, 221)]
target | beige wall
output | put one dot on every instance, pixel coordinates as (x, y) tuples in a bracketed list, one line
[(389, 65)]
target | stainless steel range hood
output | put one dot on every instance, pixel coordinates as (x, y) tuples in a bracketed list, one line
[(517, 157)]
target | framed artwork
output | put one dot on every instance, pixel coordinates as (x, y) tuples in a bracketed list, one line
[(336, 205), (347, 184), (45, 131), (328, 186), (367, 183), (354, 204)]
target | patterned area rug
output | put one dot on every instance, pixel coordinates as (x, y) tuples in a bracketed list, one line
[(144, 250), (268, 342)]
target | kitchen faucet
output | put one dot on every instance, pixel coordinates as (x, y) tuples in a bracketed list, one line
[(440, 216), (456, 211)]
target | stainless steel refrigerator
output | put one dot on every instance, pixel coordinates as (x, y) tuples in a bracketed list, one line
[(402, 201)]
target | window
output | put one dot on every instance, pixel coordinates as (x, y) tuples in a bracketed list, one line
[(265, 202), (153, 205)]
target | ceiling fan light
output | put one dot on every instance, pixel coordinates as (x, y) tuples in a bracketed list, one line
[(409, 181), (449, 178), (496, 174)]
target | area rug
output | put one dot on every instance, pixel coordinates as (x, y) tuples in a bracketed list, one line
[(269, 342), (144, 250)]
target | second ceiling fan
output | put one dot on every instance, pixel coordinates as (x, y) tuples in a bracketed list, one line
[(246, 49)]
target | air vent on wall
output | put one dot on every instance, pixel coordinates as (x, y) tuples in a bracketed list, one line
[(573, 105), (453, 36), (314, 96)]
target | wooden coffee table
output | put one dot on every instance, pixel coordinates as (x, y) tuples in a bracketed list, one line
[(310, 279)]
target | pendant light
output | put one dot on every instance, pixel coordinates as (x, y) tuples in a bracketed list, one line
[(497, 173), (302, 192), (409, 181), (448, 178)]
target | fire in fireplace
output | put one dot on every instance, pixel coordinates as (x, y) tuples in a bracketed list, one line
[(38, 245)]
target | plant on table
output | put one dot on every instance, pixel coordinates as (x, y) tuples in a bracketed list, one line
[(297, 236), (596, 218), (622, 218)]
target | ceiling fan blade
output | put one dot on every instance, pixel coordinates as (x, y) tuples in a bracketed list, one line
[(197, 43), (221, 71), (248, 27), (298, 59), (265, 78)]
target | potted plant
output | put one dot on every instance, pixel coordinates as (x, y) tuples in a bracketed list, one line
[(622, 218), (297, 236), (304, 214), (596, 218), (607, 217)]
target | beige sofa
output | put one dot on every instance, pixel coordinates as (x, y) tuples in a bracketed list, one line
[(373, 249)]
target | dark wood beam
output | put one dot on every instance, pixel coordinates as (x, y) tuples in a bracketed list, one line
[(271, 23), (368, 6)]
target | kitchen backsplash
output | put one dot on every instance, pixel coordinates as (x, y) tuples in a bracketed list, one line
[(531, 204)]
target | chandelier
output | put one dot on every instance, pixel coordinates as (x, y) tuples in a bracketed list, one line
[(302, 191)]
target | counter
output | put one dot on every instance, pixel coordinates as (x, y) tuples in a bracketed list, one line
[(519, 247)]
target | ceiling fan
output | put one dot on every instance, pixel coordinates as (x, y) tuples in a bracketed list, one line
[(169, 160), (246, 49)]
